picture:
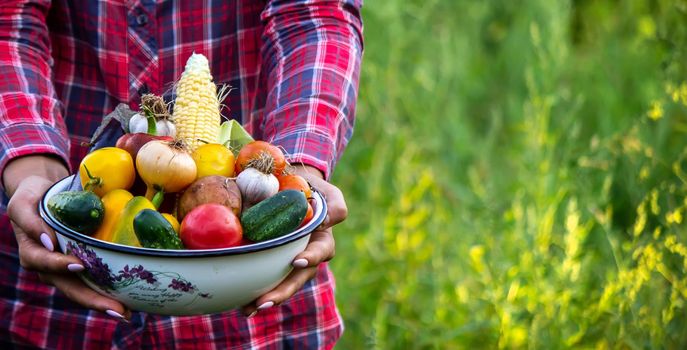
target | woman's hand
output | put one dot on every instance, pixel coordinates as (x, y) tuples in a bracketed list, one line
[(26, 179), (319, 249)]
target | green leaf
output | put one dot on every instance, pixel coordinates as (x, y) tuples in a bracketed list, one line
[(234, 136)]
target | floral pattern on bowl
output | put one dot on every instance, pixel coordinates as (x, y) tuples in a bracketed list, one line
[(100, 274)]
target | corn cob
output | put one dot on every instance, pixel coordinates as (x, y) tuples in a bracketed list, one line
[(196, 108)]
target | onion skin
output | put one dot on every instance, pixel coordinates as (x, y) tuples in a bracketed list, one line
[(132, 143), (165, 166)]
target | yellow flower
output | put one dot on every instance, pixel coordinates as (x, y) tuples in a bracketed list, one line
[(655, 209), (672, 90), (657, 232), (677, 93), (476, 254), (647, 27), (674, 217), (641, 219), (644, 173), (656, 110)]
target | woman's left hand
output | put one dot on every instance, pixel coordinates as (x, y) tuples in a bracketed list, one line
[(319, 249)]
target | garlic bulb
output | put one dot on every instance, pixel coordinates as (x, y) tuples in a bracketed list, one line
[(154, 118), (166, 127), (256, 185), (163, 127), (138, 123)]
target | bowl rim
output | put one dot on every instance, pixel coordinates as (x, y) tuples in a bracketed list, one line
[(59, 228)]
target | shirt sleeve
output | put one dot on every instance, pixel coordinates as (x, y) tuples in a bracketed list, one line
[(311, 52), (30, 117)]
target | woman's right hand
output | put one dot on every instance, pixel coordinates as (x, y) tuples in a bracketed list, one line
[(26, 179)]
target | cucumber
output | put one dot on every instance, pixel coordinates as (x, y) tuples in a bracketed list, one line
[(154, 231), (81, 211), (274, 216)]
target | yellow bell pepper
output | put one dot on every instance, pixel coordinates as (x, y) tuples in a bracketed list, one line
[(172, 220), (114, 202), (124, 230)]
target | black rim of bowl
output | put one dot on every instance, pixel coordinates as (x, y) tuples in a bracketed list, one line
[(187, 253)]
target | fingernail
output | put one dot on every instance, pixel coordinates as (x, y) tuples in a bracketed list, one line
[(266, 305), (116, 315), (300, 263), (47, 242), (76, 268), (255, 312)]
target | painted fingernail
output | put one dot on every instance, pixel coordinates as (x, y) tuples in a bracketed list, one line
[(266, 305), (116, 315), (47, 242), (255, 312), (300, 263), (75, 268)]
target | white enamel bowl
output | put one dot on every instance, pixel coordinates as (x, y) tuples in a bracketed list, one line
[(182, 282)]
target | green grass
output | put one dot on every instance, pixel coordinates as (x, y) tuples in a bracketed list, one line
[(517, 177)]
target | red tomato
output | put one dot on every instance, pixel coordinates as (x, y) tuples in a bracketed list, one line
[(252, 150), (210, 226), (308, 215), (245, 241), (295, 182)]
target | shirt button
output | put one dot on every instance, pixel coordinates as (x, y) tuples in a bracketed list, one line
[(142, 20)]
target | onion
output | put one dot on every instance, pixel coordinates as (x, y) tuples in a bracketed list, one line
[(165, 167), (256, 182)]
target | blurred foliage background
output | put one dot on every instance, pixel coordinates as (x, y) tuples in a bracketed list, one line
[(517, 177)]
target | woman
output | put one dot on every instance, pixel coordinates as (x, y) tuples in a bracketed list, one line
[(65, 64)]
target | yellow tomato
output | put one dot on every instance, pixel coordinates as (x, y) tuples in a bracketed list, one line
[(213, 159), (114, 202), (172, 220), (110, 168)]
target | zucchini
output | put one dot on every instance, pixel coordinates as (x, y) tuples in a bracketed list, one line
[(274, 216), (154, 231), (81, 211)]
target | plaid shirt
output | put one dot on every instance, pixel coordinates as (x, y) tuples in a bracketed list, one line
[(294, 67)]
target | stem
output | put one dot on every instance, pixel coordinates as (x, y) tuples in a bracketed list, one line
[(150, 193), (152, 127), (264, 162), (88, 172), (155, 195), (93, 182)]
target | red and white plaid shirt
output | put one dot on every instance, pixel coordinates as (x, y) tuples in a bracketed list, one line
[(294, 67)]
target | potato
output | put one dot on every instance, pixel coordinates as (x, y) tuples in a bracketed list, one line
[(210, 189)]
